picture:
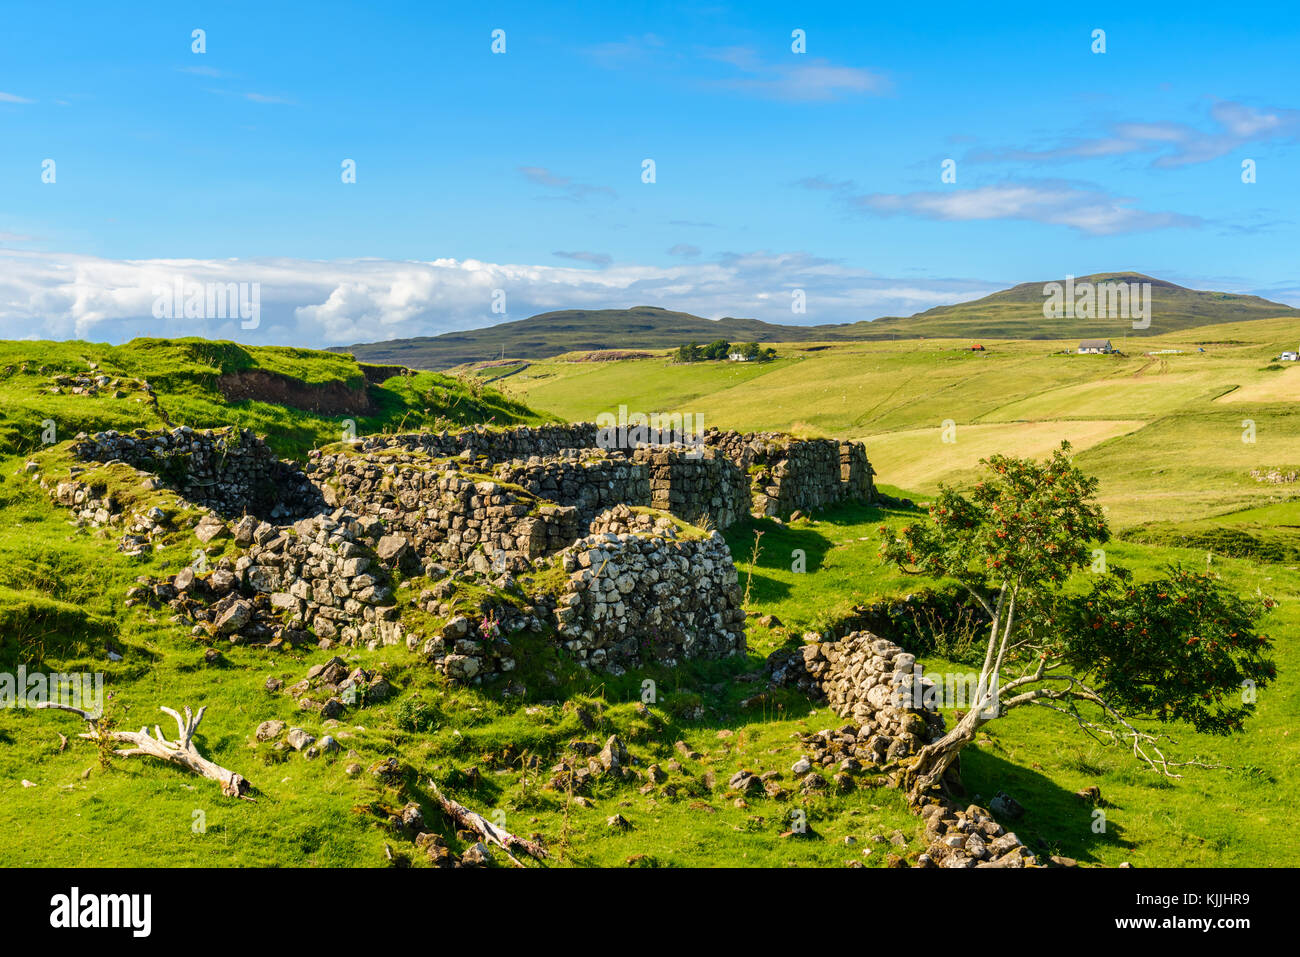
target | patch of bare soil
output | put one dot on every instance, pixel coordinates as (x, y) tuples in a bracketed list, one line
[(332, 399)]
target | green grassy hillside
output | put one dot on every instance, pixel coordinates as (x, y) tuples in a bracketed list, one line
[(1017, 313), (580, 330), (297, 398)]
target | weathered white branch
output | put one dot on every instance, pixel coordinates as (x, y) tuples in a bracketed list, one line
[(489, 831), (182, 751)]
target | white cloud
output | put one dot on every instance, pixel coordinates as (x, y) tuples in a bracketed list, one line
[(1090, 211), (1234, 125), (13, 98), (802, 79), (799, 78), (338, 302), (583, 256), (572, 190)]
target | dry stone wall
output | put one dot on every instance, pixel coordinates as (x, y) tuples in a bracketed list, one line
[(871, 681), (495, 445), (229, 470), (789, 474), (589, 481), (772, 473), (325, 573), (701, 487), (642, 586), (320, 579), (447, 515), (639, 593)]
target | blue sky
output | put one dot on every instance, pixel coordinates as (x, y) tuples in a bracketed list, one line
[(522, 171)]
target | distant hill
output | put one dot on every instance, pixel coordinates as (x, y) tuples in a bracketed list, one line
[(1015, 313), (587, 330)]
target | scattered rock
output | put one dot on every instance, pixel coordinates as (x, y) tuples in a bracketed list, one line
[(270, 730), (299, 739), (209, 528), (1005, 806)]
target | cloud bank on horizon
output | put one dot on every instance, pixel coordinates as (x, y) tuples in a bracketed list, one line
[(341, 302)]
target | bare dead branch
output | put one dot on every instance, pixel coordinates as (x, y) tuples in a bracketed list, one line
[(182, 751), (499, 836)]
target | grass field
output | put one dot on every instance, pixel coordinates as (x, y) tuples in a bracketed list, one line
[(1162, 432), (1175, 476)]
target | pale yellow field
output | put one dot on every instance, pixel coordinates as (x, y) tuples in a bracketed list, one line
[(1281, 386), (919, 458), (1147, 392)]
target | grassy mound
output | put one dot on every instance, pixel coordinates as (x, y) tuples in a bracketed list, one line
[(297, 398)]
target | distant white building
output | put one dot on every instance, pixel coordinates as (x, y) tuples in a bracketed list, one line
[(738, 357), (1094, 346), (1289, 357)]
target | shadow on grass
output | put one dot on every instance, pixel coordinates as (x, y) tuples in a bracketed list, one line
[(1056, 821), (779, 539)]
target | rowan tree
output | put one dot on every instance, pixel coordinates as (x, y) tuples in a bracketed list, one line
[(1181, 647)]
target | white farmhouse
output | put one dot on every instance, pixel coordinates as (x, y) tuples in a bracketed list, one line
[(1094, 346)]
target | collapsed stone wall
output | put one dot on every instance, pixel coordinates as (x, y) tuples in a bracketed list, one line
[(589, 481), (321, 579), (326, 573), (871, 681), (229, 470), (233, 472), (640, 589), (696, 487), (90, 503), (447, 515), (638, 593), (780, 473)]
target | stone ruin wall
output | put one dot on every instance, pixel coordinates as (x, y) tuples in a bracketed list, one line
[(878, 689), (639, 588), (587, 481), (704, 488), (445, 514), (477, 501), (870, 681), (496, 445), (231, 471), (727, 477), (789, 474), (639, 592)]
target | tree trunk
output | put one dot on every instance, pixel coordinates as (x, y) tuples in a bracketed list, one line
[(927, 769)]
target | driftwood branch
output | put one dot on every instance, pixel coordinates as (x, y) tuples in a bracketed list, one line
[(499, 836), (182, 751)]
